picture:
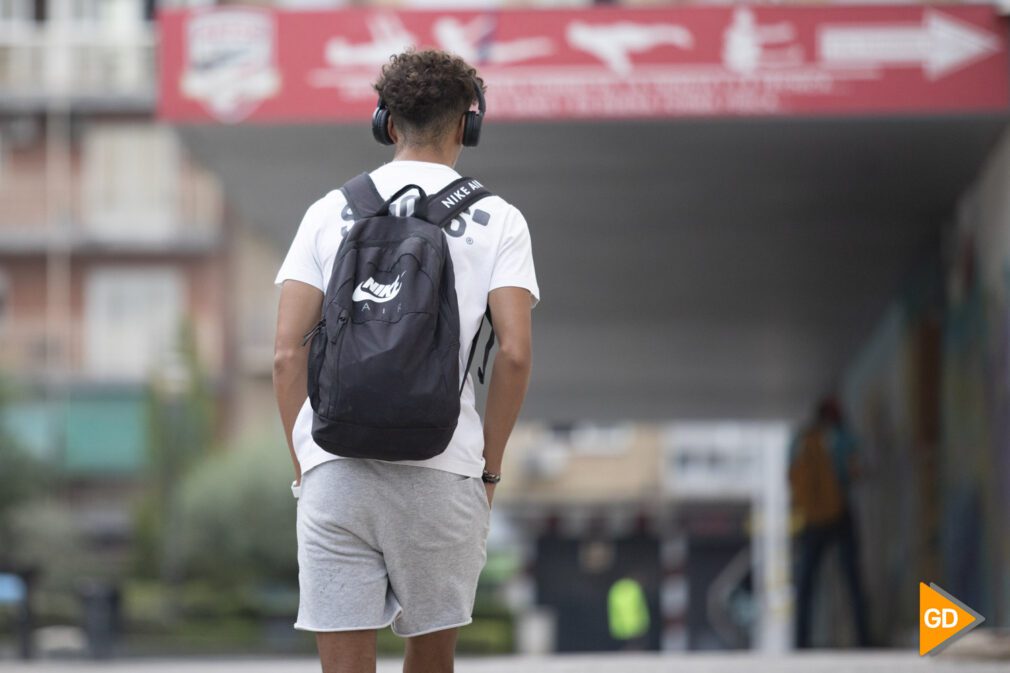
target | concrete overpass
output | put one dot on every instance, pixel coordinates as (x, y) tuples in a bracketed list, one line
[(704, 268)]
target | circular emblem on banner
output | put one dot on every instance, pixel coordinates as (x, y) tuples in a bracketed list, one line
[(231, 61)]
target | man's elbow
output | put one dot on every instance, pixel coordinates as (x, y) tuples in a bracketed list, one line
[(287, 359), (515, 357)]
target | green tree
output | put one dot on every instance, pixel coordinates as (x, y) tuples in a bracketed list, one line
[(181, 413), (237, 518), (22, 477)]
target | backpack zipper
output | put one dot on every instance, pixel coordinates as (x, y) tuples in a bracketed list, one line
[(342, 319), (312, 332)]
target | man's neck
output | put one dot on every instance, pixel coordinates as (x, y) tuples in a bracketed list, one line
[(434, 155)]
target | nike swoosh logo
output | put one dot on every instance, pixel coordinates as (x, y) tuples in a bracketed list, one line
[(369, 290)]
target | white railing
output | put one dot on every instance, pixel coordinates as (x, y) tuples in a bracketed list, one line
[(69, 59)]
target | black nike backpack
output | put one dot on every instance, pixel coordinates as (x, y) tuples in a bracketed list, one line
[(383, 365)]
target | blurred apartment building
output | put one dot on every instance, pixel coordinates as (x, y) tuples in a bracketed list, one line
[(112, 245)]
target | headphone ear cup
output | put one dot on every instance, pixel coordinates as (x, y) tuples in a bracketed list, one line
[(380, 126), (471, 129)]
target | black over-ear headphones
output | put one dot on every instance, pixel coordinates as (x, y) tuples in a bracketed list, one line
[(471, 125)]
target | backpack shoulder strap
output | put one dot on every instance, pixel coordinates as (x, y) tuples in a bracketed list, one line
[(457, 196), (362, 197), (482, 369)]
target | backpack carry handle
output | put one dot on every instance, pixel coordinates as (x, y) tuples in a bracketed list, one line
[(365, 201), (384, 208), (438, 208)]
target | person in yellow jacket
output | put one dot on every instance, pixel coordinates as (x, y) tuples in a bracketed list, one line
[(627, 611), (823, 465)]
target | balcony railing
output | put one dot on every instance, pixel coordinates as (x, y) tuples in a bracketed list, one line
[(75, 63), (184, 212)]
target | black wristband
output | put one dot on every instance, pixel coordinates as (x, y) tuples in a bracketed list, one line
[(490, 477)]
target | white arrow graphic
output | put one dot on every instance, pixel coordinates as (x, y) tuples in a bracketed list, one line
[(940, 45)]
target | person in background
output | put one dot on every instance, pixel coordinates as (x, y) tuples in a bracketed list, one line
[(628, 613), (823, 466)]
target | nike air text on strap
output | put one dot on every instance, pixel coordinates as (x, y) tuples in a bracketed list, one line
[(442, 206)]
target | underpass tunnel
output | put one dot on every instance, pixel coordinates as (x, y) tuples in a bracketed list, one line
[(712, 270)]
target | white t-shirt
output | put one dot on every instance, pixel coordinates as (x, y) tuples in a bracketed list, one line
[(490, 250)]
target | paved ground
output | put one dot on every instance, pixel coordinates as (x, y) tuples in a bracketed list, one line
[(826, 662)]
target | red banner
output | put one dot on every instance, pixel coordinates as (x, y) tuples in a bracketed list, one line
[(233, 64)]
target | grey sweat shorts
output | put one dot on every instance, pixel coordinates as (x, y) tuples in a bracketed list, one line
[(384, 544)]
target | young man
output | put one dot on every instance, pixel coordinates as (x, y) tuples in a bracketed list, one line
[(402, 543)]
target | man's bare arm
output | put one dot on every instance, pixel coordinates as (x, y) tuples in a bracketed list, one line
[(510, 310), (299, 310)]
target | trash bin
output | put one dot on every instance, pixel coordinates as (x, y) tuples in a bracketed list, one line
[(101, 604)]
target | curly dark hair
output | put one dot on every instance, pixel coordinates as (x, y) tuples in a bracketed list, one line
[(427, 92)]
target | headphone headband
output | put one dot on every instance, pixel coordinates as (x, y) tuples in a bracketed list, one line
[(481, 104)]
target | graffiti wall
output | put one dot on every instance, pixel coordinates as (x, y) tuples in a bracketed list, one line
[(891, 394), (928, 396), (974, 533)]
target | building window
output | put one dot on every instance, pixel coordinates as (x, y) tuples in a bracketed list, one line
[(132, 320), (131, 181)]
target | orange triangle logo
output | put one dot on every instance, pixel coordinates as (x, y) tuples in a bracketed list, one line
[(942, 619)]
